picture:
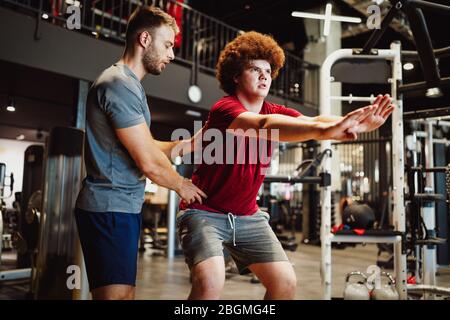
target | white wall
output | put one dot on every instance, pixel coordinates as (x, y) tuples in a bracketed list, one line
[(12, 154)]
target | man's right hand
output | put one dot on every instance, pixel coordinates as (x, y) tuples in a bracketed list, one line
[(339, 130), (189, 192)]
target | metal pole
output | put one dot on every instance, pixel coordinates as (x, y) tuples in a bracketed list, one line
[(423, 85), (1, 228), (414, 55), (325, 221), (350, 98), (398, 161), (83, 292), (171, 227), (426, 114), (424, 46), (83, 88), (171, 219), (37, 31), (414, 187), (376, 35), (429, 215), (439, 8)]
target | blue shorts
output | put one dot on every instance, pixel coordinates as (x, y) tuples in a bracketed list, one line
[(110, 243)]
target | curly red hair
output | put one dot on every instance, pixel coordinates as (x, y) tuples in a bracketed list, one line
[(238, 53)]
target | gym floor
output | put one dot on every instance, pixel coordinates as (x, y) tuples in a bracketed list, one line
[(160, 279)]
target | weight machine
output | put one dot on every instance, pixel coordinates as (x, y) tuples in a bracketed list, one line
[(427, 56), (424, 196), (327, 238), (305, 173), (6, 232), (4, 237)]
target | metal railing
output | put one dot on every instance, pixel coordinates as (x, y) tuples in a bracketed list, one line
[(198, 45)]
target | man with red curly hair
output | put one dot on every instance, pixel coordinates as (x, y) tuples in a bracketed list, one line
[(230, 217)]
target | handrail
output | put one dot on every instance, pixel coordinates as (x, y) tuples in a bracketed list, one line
[(199, 44)]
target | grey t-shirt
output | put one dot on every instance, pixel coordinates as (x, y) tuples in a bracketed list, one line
[(113, 183)]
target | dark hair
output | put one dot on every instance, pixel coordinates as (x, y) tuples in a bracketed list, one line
[(147, 18), (237, 55)]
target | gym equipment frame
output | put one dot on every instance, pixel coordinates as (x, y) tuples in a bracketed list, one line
[(393, 55), (427, 56)]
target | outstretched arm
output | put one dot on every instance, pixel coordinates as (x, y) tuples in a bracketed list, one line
[(382, 109), (321, 118), (295, 129)]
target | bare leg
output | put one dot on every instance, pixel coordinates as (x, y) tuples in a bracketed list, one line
[(208, 279), (278, 278), (114, 292)]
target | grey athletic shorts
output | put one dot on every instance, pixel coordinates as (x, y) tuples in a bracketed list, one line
[(249, 239)]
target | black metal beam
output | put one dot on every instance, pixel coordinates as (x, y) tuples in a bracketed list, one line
[(423, 44), (289, 179), (439, 8), (428, 113), (378, 33), (414, 55), (423, 85), (434, 169)]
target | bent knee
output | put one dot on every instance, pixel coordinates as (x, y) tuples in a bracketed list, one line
[(208, 285), (289, 281)]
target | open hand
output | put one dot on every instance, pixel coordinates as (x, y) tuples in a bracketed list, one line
[(341, 130), (382, 109)]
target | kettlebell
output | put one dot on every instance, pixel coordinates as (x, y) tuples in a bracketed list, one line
[(387, 291), (356, 290)]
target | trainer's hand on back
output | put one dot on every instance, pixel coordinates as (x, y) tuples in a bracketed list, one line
[(189, 192)]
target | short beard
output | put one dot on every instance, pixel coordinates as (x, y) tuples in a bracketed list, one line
[(150, 62)]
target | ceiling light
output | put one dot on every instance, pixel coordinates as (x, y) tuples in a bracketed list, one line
[(434, 93), (408, 66), (298, 14), (193, 113), (44, 16), (327, 17), (10, 106), (194, 94)]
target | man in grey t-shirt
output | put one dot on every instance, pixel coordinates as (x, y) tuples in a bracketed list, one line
[(120, 152)]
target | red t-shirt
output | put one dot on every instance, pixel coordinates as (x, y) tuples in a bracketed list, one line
[(233, 187)]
